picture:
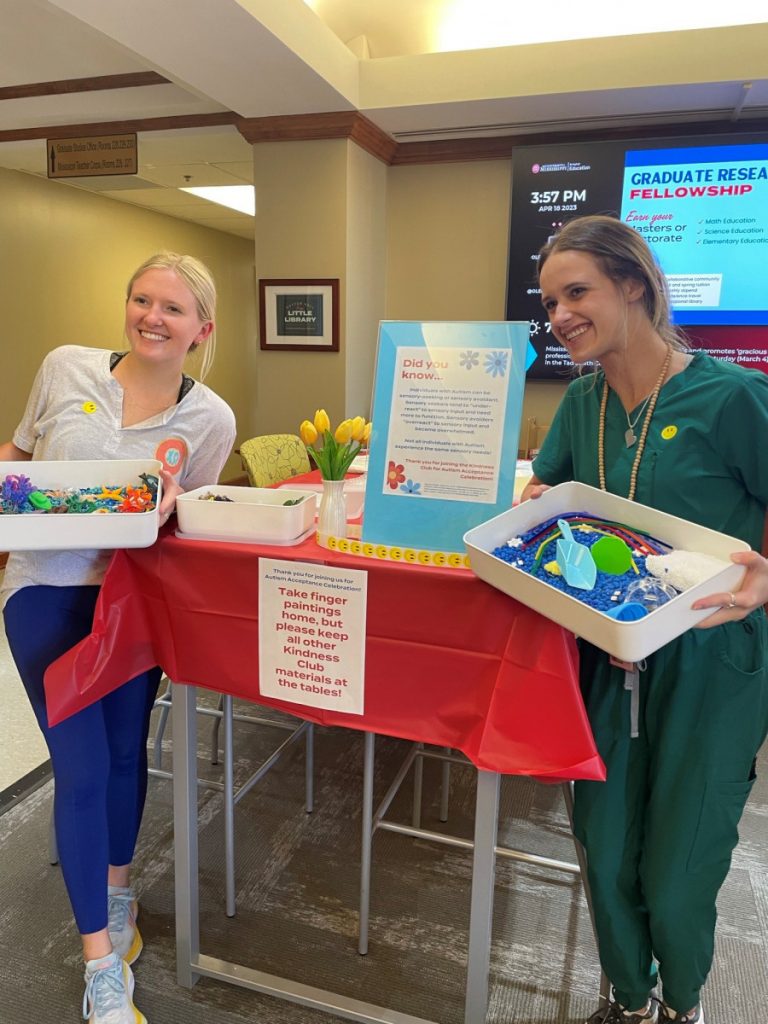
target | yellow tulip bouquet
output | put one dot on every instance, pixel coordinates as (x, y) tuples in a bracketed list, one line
[(337, 450)]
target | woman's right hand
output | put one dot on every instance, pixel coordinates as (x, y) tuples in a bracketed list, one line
[(534, 489)]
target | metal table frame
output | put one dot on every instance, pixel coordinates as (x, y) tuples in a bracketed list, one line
[(233, 796), (483, 869), (191, 963)]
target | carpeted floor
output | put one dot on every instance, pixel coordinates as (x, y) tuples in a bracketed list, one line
[(297, 895)]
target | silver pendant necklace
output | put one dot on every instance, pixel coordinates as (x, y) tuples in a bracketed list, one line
[(630, 437)]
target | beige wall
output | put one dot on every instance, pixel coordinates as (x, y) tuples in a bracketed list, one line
[(65, 258), (321, 213), (301, 217), (447, 241), (427, 242), (366, 275), (422, 242), (447, 238)]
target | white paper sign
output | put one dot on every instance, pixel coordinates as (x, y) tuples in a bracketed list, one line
[(312, 634), (446, 425)]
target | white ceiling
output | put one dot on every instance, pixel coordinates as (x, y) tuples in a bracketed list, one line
[(260, 58)]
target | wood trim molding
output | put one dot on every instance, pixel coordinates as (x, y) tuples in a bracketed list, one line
[(146, 124), (351, 124), (455, 150), (341, 124), (132, 80), (374, 140), (297, 127)]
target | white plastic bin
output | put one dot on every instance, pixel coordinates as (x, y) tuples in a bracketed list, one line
[(255, 515), (71, 531), (628, 641)]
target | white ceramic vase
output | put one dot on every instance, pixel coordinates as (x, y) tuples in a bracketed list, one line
[(332, 517)]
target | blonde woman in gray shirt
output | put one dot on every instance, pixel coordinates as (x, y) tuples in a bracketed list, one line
[(96, 404)]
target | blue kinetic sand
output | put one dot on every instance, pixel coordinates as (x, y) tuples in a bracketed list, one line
[(536, 552)]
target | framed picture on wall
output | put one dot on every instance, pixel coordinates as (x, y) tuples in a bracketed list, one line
[(299, 314)]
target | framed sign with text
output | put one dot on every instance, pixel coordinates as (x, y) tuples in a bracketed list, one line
[(297, 314), (446, 418)]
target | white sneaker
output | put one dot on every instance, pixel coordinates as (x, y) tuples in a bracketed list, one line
[(124, 934), (108, 997)]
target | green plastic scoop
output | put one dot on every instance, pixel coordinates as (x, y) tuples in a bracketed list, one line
[(575, 560)]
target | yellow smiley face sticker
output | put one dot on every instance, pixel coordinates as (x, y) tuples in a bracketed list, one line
[(669, 432), (368, 550), (355, 547), (425, 557), (409, 555), (455, 559), (396, 553), (89, 407), (381, 551), (331, 542), (439, 558), (342, 544)]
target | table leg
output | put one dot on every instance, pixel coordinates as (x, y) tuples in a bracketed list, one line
[(309, 768), (418, 788), (185, 833), (229, 804), (366, 841), (445, 786), (481, 907)]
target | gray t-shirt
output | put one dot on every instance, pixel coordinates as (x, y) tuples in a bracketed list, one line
[(74, 411)]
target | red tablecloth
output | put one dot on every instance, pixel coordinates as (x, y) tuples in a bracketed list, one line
[(449, 659)]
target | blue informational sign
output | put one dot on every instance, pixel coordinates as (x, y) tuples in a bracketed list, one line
[(446, 420), (705, 211)]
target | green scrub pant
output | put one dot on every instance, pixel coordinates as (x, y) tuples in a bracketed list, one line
[(660, 831)]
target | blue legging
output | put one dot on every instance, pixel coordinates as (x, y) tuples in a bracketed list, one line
[(98, 755)]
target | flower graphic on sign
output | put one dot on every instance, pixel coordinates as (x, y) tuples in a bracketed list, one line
[(469, 359), (496, 363), (410, 487), (395, 475)]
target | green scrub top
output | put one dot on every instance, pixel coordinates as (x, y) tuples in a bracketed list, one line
[(705, 456)]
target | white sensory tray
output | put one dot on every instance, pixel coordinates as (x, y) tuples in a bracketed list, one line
[(255, 515), (80, 530), (628, 641)]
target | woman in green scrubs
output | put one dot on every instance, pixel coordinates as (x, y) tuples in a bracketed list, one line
[(676, 430)]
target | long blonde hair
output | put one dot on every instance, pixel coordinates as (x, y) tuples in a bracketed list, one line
[(198, 278)]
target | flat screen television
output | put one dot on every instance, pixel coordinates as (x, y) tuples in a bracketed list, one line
[(702, 204)]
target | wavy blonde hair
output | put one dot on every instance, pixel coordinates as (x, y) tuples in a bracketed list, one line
[(198, 278)]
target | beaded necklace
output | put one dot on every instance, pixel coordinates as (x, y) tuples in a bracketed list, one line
[(653, 397)]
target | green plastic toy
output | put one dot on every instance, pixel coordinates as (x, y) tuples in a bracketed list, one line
[(612, 555)]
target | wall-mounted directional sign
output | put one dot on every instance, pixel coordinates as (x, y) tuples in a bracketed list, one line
[(94, 155)]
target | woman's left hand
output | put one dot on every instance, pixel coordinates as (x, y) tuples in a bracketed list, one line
[(171, 491), (753, 592)]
